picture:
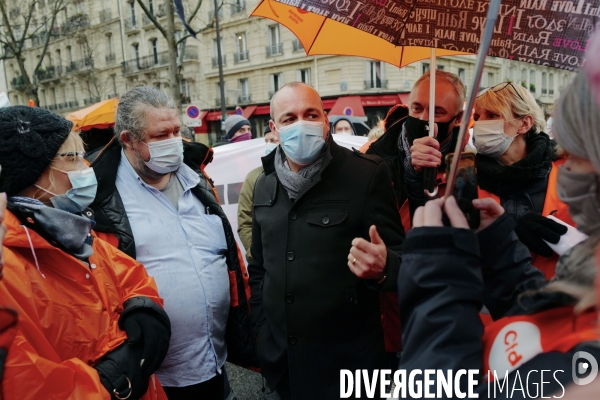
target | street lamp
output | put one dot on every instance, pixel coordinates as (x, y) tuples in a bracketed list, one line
[(220, 61)]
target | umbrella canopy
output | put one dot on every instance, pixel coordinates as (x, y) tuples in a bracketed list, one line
[(100, 115), (320, 35), (359, 127), (401, 32)]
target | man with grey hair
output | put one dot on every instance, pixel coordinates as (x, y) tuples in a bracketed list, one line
[(406, 146), (164, 214)]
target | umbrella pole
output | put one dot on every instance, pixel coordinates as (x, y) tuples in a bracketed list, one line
[(486, 38), (430, 174)]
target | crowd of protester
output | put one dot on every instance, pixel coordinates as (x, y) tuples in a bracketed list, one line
[(123, 279)]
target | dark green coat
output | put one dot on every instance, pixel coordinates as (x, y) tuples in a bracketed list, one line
[(312, 315)]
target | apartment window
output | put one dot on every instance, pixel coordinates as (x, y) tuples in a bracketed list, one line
[(241, 51), (276, 81), (154, 50), (135, 52), (69, 54), (441, 67), (544, 83), (244, 91), (275, 47), (273, 35), (237, 6), (58, 59), (524, 77), (511, 74), (303, 75), (550, 83), (79, 7), (74, 88), (375, 75), (185, 88), (462, 75), (113, 79), (151, 6), (424, 67), (44, 97), (215, 60), (490, 79), (109, 41), (53, 95), (132, 9), (532, 81)]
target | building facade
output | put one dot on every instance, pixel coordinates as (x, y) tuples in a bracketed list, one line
[(102, 49)]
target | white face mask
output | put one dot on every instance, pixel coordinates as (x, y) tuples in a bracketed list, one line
[(489, 138), (270, 147), (165, 155)]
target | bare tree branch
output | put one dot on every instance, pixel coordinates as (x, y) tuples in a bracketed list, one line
[(153, 19)]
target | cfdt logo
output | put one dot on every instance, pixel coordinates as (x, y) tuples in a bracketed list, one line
[(585, 368)]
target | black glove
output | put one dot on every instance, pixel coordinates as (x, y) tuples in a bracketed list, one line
[(120, 373), (532, 229), (147, 326)]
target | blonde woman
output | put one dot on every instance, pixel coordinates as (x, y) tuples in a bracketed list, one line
[(517, 165), (91, 323)]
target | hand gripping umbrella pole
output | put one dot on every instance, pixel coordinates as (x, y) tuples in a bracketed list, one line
[(492, 16)]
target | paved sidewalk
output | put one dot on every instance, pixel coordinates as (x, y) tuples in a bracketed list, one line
[(246, 384)]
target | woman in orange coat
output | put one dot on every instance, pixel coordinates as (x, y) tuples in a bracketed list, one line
[(91, 324), (517, 165)]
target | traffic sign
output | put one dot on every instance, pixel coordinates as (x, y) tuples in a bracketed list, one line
[(192, 111)]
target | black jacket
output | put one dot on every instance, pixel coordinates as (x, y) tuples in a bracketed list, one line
[(313, 316), (442, 286), (111, 218)]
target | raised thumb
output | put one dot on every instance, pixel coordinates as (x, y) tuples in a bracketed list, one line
[(374, 235)]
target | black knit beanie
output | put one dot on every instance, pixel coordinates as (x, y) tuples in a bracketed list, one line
[(29, 140)]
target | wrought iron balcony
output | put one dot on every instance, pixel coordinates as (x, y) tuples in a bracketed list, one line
[(131, 23), (218, 101), (146, 63), (376, 84), (238, 8), (211, 14), (91, 100), (190, 53), (215, 61), (244, 98), (185, 99), (297, 45), (75, 22), (275, 49), (49, 74), (17, 82), (240, 56), (110, 58), (82, 65), (105, 15)]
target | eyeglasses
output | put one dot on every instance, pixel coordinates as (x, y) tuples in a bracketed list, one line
[(499, 87)]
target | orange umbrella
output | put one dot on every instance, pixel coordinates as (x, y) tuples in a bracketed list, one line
[(320, 35), (100, 115)]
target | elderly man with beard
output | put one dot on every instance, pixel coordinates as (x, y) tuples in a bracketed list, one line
[(165, 215)]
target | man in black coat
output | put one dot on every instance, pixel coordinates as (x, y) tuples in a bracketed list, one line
[(326, 236)]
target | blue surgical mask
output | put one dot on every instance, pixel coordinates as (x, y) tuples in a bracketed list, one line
[(165, 155), (80, 196), (302, 141), (270, 147)]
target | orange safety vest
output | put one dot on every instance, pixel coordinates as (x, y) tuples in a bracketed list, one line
[(552, 206), (512, 341)]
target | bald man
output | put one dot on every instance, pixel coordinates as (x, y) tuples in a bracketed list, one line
[(322, 239)]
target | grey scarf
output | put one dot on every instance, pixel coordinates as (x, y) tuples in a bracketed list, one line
[(296, 183), (70, 230)]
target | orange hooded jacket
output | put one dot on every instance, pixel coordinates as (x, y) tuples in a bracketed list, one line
[(68, 314)]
